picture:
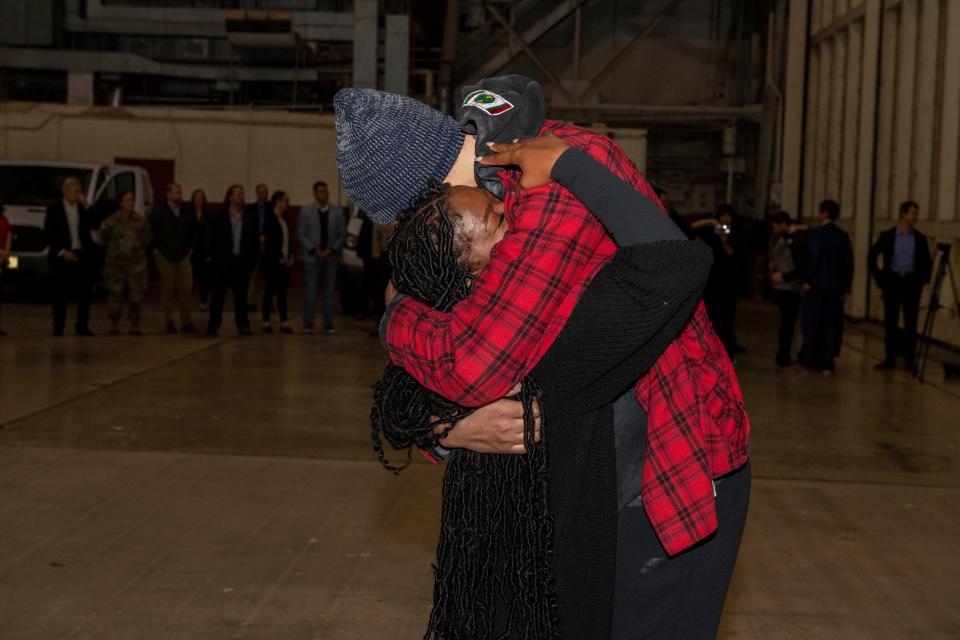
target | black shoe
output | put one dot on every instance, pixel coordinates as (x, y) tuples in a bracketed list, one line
[(113, 332), (244, 331), (267, 328), (58, 333), (85, 333), (136, 332), (286, 330), (885, 365), (211, 332), (188, 328), (912, 369), (171, 328)]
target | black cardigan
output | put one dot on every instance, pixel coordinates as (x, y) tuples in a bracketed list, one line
[(625, 319), (628, 315), (273, 242)]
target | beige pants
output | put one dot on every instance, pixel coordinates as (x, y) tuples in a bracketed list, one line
[(176, 287)]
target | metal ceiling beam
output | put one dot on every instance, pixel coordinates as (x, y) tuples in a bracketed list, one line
[(118, 62), (529, 51), (100, 18), (640, 37), (500, 59)]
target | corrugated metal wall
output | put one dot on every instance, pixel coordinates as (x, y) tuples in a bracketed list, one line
[(881, 123)]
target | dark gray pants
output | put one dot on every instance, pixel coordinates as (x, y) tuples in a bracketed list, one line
[(678, 598)]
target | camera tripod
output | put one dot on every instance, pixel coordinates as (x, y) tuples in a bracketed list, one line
[(944, 271)]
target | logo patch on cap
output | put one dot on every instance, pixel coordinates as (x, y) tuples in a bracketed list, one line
[(488, 101)]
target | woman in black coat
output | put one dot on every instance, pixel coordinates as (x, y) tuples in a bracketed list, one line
[(198, 257), (276, 261)]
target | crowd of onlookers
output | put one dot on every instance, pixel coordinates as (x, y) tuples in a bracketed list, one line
[(810, 274), (201, 255), (249, 251)]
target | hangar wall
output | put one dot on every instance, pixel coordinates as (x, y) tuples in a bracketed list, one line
[(872, 119)]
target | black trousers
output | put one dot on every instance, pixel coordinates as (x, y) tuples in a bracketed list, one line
[(374, 284), (789, 304), (822, 328), (277, 280), (678, 598), (235, 277), (73, 281), (720, 299), (901, 292), (201, 275)]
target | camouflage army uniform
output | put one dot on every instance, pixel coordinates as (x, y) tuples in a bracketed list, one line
[(125, 237)]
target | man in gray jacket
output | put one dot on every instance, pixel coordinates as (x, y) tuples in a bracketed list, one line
[(322, 230)]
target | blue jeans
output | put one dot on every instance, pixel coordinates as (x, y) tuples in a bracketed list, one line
[(313, 274)]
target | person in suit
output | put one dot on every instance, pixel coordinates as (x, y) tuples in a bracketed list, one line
[(67, 230), (174, 231), (233, 247), (827, 277), (322, 230), (907, 267), (276, 261)]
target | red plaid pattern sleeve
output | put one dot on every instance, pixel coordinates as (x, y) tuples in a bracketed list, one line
[(697, 430), (697, 424), (476, 353)]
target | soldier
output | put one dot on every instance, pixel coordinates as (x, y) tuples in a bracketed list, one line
[(126, 236)]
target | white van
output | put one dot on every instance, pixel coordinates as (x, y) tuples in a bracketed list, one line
[(27, 188)]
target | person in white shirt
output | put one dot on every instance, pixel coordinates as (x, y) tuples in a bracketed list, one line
[(67, 230)]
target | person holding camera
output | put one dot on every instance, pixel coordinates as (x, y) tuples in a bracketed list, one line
[(720, 296), (907, 266)]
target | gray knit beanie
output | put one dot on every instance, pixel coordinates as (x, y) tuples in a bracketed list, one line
[(389, 147)]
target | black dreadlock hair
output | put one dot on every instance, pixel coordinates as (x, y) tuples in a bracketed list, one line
[(426, 249), (493, 578)]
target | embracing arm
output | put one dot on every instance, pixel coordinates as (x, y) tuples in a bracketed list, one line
[(491, 340), (634, 308), (629, 216)]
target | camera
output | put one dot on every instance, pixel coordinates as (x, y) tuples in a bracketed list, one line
[(723, 229)]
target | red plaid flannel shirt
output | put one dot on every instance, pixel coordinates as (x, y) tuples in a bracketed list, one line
[(697, 426)]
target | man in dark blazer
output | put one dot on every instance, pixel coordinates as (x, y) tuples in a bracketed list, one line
[(906, 269), (827, 278), (233, 237), (67, 230)]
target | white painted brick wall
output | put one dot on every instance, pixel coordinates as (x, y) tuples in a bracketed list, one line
[(211, 149)]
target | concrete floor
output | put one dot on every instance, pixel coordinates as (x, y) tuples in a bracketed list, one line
[(184, 488)]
